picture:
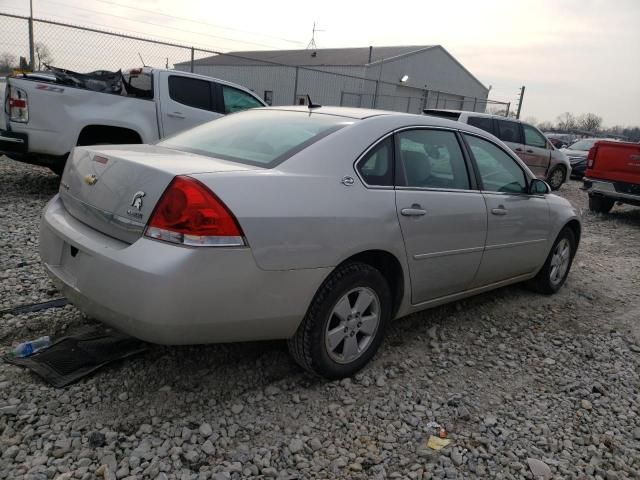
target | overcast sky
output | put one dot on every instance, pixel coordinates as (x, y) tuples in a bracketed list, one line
[(572, 55)]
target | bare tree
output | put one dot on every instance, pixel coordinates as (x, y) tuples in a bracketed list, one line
[(43, 55), (566, 122), (545, 126), (7, 62), (589, 122)]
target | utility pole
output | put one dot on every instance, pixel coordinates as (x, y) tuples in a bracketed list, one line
[(520, 102), (32, 55)]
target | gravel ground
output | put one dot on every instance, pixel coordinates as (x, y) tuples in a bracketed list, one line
[(523, 383)]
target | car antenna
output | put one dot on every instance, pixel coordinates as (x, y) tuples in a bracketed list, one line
[(310, 104), (141, 59)]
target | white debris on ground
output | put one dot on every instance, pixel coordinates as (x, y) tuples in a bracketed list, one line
[(527, 386)]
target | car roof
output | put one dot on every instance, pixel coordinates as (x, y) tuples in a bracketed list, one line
[(469, 112), (348, 112)]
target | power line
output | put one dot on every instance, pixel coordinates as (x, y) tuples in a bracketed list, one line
[(176, 17), (158, 25)]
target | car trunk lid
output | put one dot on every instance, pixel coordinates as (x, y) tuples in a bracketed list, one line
[(114, 189)]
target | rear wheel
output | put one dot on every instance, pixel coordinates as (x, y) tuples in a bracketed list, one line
[(600, 204), (556, 177), (345, 323), (555, 270)]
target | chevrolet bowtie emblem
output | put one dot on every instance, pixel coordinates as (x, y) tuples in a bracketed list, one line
[(90, 179)]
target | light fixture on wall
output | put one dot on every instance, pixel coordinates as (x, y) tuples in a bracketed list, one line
[(404, 78)]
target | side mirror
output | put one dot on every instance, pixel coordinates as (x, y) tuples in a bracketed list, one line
[(539, 187)]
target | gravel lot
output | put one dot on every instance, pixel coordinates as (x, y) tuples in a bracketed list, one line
[(512, 375)]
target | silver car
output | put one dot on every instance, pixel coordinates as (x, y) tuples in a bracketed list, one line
[(316, 225)]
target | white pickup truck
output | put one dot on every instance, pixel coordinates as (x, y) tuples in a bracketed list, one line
[(47, 114)]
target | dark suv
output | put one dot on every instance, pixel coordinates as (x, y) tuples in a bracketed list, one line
[(542, 158)]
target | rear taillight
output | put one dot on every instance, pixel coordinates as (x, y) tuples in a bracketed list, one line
[(188, 213), (591, 158), (18, 105)]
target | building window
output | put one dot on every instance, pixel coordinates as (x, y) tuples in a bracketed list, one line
[(268, 97)]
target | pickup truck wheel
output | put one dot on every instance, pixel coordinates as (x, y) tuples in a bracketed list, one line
[(345, 323), (556, 177), (556, 268), (600, 204)]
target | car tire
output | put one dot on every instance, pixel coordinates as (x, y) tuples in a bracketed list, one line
[(556, 268), (600, 204), (335, 328), (557, 177)]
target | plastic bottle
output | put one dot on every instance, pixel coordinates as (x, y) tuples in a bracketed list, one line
[(26, 349)]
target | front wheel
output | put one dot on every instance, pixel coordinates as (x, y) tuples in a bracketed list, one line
[(556, 268), (345, 323), (556, 178)]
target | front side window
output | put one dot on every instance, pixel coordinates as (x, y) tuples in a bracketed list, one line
[(509, 131), (261, 137), (499, 172), (432, 159), (236, 100), (533, 137), (376, 168), (190, 91)]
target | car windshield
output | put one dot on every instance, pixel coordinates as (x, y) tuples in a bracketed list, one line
[(583, 144), (259, 137)]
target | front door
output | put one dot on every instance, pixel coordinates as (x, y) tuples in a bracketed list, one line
[(537, 153), (185, 102), (443, 218), (518, 223)]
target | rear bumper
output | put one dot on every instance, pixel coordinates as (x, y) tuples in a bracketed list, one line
[(168, 294), (618, 191), (14, 144)]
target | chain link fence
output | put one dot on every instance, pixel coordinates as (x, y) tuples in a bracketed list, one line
[(87, 49)]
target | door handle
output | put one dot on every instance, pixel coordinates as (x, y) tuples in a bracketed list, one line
[(529, 151), (415, 211), (175, 115), (518, 149), (499, 211)]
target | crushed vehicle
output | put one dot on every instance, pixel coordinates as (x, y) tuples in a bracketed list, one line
[(612, 175), (48, 114), (314, 224)]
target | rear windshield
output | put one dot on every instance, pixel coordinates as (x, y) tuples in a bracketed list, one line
[(263, 138)]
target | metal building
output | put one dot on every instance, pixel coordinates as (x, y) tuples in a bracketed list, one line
[(403, 78)]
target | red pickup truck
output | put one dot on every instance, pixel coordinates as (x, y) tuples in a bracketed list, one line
[(612, 175)]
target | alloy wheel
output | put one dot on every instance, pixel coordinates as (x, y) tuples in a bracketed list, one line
[(560, 261), (352, 325)]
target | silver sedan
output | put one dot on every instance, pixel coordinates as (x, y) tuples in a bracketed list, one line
[(316, 225)]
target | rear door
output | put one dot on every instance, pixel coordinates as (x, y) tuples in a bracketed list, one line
[(185, 102), (537, 154), (442, 216), (518, 223), (511, 134)]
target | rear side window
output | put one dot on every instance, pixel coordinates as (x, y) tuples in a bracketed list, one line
[(533, 137), (483, 123), (432, 159), (376, 168), (236, 100), (509, 131), (191, 92), (263, 138)]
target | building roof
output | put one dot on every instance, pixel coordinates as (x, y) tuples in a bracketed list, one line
[(312, 57)]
